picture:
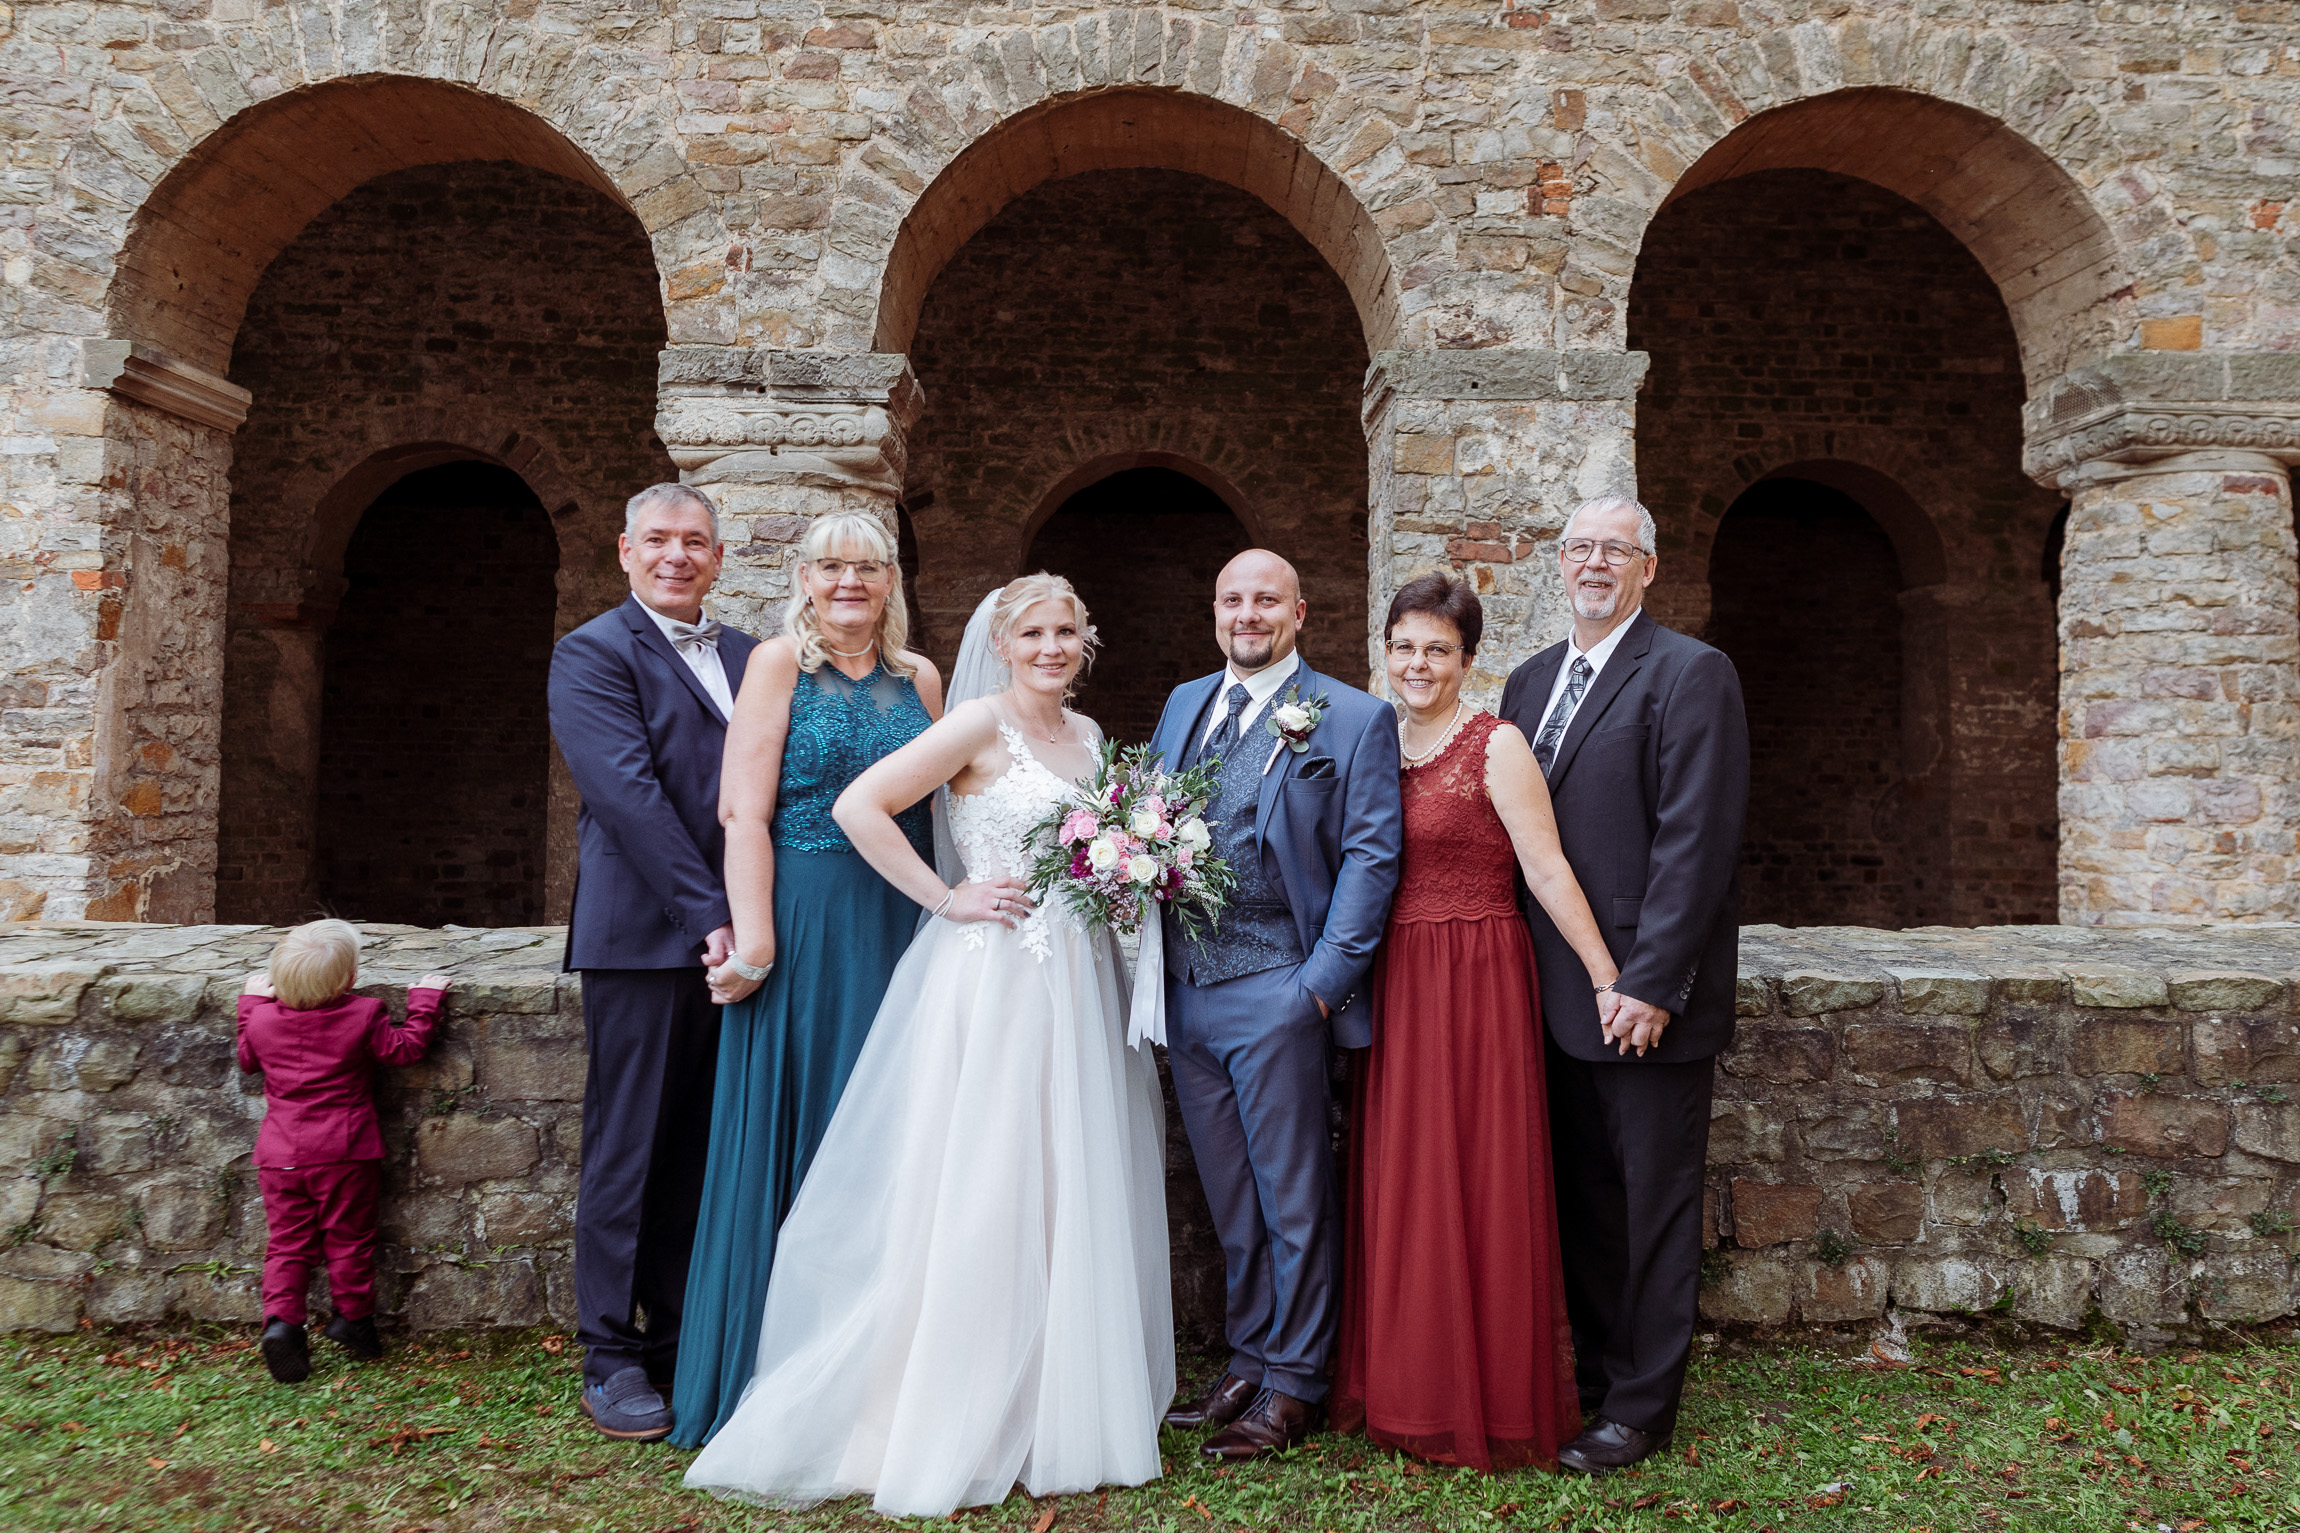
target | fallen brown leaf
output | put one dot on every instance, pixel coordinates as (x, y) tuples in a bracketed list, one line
[(157, 1463), (1045, 1521), (1730, 1506), (1642, 1502)]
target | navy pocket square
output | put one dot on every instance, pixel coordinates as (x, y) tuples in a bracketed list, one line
[(1316, 767)]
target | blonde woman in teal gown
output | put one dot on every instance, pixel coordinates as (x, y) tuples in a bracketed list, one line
[(817, 933)]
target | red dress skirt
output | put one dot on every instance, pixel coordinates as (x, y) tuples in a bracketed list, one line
[(1454, 1342)]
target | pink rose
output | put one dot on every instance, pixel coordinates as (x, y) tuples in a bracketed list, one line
[(1081, 826)]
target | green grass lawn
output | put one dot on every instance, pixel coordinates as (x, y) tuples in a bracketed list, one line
[(183, 1429)]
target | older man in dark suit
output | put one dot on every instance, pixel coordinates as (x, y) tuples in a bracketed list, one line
[(1641, 735), (640, 698)]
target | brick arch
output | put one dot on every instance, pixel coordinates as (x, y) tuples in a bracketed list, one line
[(1094, 469), (336, 511), (1973, 164), (1136, 128), (198, 244)]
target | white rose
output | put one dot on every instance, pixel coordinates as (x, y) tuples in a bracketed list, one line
[(1195, 835), (1142, 869), (1102, 854), (1292, 718), (1144, 824)]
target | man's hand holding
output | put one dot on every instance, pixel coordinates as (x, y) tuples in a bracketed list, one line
[(1636, 1025), (718, 945)]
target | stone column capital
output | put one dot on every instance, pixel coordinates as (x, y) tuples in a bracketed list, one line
[(2165, 412), (743, 415), (1503, 374)]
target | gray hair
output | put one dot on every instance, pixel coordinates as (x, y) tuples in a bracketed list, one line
[(1616, 502), (667, 496)]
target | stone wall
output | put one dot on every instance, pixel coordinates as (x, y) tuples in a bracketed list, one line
[(1129, 317), (2039, 1120)]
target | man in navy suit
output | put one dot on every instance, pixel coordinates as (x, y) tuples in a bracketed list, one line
[(1640, 733), (1313, 835), (640, 698)]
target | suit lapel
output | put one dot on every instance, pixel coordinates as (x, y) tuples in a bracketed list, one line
[(651, 638), (1628, 659), (1191, 716)]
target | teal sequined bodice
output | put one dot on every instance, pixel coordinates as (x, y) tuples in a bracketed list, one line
[(840, 726)]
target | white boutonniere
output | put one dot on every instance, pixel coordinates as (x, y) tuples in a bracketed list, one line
[(1291, 721)]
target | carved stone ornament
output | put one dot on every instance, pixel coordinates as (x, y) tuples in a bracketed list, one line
[(787, 418), (2098, 423), (150, 376)]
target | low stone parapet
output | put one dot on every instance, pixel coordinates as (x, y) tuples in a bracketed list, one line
[(2043, 1120)]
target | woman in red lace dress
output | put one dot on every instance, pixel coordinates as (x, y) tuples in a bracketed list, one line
[(1454, 1342)]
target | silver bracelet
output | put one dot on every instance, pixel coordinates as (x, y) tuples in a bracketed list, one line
[(754, 972), (947, 896), (1608, 985)]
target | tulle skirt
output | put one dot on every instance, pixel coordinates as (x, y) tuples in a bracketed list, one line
[(972, 1288)]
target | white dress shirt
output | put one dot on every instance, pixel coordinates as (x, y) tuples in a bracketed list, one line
[(703, 660), (1260, 687), (1597, 654)]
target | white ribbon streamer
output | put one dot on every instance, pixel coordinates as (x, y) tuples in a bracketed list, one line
[(1146, 1016)]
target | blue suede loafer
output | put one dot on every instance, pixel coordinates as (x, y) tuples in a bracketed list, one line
[(627, 1407)]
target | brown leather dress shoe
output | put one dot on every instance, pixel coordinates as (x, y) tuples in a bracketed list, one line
[(1222, 1404), (1272, 1424)]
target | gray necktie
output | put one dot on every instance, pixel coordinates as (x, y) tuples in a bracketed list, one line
[(1226, 735), (1553, 730), (703, 635)]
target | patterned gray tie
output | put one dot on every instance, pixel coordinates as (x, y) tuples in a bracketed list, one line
[(1226, 735), (1553, 730)]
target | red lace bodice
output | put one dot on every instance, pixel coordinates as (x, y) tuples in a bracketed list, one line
[(1458, 864)]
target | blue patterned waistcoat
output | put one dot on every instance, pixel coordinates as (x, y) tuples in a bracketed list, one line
[(1256, 930)]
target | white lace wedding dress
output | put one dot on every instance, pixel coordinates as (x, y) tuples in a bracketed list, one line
[(972, 1288)]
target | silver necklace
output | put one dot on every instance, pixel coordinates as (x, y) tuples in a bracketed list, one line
[(1451, 724)]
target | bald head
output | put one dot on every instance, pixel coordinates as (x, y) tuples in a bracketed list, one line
[(1258, 610)]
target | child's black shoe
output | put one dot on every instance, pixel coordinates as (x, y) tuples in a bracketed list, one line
[(287, 1352), (355, 1336)]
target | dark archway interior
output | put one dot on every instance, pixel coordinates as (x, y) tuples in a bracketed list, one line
[(434, 743), (1805, 600), (1143, 548)]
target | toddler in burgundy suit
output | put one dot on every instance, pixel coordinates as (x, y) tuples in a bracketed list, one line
[(319, 1154)]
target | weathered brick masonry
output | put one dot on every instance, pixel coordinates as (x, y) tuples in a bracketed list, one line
[(2044, 1120), (790, 191)]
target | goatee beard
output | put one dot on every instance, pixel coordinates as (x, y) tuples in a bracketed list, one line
[(1597, 608), (1253, 651)]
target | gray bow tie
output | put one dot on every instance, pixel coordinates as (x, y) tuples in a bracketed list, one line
[(705, 633)]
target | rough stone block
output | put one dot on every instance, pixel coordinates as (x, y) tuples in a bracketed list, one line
[(2214, 990), (35, 1306), (1963, 1198), (2114, 987), (2054, 1291), (2113, 1046), (2074, 1199), (567, 1139), (83, 1221), (531, 1070), (1752, 997), (425, 1220), (112, 1144), (1783, 1056), (1753, 1290), (2138, 1287), (495, 1293), (44, 994), (1947, 993), (2271, 1129), (2248, 1286), (182, 1212), (1770, 1213), (2018, 1046), (12, 1052), (1812, 993), (1946, 1284), (524, 1219), (2273, 1050), (1890, 1051), (1936, 1127), (1840, 1132), (128, 1298), (2017, 986), (228, 1299), (445, 1066), (143, 1000), (76, 1061), (2157, 1124), (1742, 1133), (1854, 1291), (2222, 1051), (1891, 1212)]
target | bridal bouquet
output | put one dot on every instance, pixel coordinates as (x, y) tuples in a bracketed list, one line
[(1131, 838)]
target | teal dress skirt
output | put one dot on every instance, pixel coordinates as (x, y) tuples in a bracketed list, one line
[(786, 1050)]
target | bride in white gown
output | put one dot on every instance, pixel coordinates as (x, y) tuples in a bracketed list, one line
[(972, 1287)]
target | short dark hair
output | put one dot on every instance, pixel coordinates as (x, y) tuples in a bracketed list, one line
[(1440, 596)]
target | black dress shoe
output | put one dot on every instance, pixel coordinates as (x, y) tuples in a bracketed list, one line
[(1272, 1424), (1605, 1446), (287, 1351), (1223, 1404), (355, 1336)]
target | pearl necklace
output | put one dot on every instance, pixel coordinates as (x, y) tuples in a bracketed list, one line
[(851, 654), (1443, 740)]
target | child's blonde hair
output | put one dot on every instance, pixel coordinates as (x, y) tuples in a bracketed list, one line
[(314, 964)]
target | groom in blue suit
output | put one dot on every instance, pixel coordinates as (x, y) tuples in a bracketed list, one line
[(1307, 815)]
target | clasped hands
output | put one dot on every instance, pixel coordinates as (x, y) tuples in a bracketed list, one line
[(1629, 1022), (1004, 900)]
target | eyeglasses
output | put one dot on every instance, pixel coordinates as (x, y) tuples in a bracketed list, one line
[(1404, 650), (867, 571), (1578, 551)]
